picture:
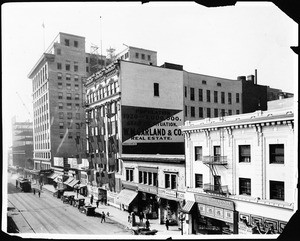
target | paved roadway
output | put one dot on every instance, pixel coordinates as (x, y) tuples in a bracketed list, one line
[(48, 214)]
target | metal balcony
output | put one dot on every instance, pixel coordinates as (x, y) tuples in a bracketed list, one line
[(217, 189), (215, 160)]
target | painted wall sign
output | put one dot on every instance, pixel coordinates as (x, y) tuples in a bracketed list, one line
[(214, 202), (216, 213), (146, 125), (58, 161)]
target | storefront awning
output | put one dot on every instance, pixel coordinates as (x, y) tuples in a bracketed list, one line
[(188, 206), (126, 196), (70, 179), (56, 178), (53, 175), (69, 194), (73, 183), (78, 186)]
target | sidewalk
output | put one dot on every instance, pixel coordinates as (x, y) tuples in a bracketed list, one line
[(121, 217)]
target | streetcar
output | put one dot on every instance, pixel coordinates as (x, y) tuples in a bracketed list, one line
[(23, 184)]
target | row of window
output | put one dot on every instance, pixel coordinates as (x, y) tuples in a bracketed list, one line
[(43, 88), (68, 106), (217, 112), (216, 96), (143, 56), (68, 77), (40, 77), (102, 92), (151, 178), (276, 153), (68, 66), (61, 115), (69, 125), (42, 155), (68, 96), (75, 43), (276, 187), (68, 86), (69, 135)]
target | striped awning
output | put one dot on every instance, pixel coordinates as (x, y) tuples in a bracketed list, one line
[(78, 186), (70, 179), (53, 175), (126, 197), (188, 206), (73, 183)]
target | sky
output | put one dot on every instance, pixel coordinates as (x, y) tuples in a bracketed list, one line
[(225, 42)]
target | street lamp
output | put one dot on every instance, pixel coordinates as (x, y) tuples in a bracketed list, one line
[(181, 218)]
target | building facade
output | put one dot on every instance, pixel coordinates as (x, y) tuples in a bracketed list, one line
[(241, 173), (22, 143)]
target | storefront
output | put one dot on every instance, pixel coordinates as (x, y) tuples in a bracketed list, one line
[(214, 216), (127, 199), (148, 201), (170, 203)]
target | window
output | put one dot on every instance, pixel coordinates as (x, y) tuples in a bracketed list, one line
[(185, 110), (76, 96), (145, 177), (198, 153), (229, 99), (192, 93), (217, 152), (237, 112), (245, 186), (60, 105), (61, 115), (170, 180), (129, 175), (69, 106), (185, 91), (149, 57), (219, 84), (77, 125), (61, 135), (244, 153), (140, 177), (229, 112), (76, 87), (61, 125), (208, 95), (58, 51), (77, 116), (216, 96), (70, 135), (67, 42), (204, 82), (87, 60), (216, 112), (69, 96), (222, 112), (277, 153), (69, 115), (223, 97), (200, 94), (68, 67), (201, 112), (68, 86), (60, 95), (156, 89), (59, 76), (237, 98), (137, 55), (87, 69), (75, 67), (192, 111), (58, 65), (277, 190), (76, 78), (208, 114), (75, 44), (68, 77), (143, 56), (199, 180)]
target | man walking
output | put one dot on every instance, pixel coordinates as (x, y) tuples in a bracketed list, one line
[(103, 217), (39, 194), (167, 223), (33, 191)]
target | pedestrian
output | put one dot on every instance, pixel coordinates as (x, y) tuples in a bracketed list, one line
[(147, 223), (97, 203), (141, 217), (167, 223), (107, 214), (129, 218), (39, 194), (103, 217), (133, 218), (92, 198), (33, 191)]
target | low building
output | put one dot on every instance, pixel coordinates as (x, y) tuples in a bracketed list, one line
[(241, 172)]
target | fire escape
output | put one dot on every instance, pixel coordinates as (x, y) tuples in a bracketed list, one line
[(213, 162)]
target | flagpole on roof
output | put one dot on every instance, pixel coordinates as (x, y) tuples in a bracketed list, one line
[(43, 25)]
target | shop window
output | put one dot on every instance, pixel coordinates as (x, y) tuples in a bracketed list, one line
[(198, 153), (277, 153), (129, 175), (199, 180), (140, 177), (277, 190), (244, 153), (245, 186)]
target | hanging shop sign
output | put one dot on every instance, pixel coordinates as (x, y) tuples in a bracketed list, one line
[(215, 202), (148, 189), (168, 193), (144, 125)]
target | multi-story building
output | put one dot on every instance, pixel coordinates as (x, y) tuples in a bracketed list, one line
[(59, 117), (22, 143), (241, 172)]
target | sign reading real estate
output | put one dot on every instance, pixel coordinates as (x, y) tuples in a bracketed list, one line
[(148, 125)]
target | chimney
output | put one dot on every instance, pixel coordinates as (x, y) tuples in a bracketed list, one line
[(255, 77)]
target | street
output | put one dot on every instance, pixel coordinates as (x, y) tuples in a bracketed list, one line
[(47, 214)]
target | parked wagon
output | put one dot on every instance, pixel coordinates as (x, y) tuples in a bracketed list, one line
[(143, 231), (78, 202), (23, 184), (87, 210)]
